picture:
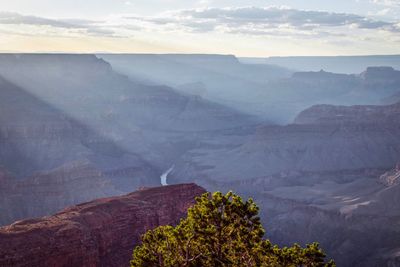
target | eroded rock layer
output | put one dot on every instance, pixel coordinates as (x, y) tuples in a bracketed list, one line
[(102, 232)]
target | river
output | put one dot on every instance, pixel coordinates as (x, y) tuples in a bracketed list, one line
[(164, 176)]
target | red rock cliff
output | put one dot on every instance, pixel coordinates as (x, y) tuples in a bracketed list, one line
[(102, 232)]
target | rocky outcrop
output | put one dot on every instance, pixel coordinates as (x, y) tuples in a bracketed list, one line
[(102, 232), (329, 114), (391, 177), (383, 75), (322, 76)]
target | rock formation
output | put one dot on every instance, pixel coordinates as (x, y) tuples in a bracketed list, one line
[(329, 114), (317, 179), (102, 232), (391, 177)]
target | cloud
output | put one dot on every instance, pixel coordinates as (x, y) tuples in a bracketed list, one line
[(257, 19), (278, 22), (71, 25), (389, 3), (15, 18)]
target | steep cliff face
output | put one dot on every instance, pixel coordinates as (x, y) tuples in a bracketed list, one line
[(102, 232)]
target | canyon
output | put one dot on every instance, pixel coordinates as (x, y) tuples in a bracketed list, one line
[(318, 151), (72, 129)]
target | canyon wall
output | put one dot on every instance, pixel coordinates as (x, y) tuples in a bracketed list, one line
[(329, 177), (102, 232)]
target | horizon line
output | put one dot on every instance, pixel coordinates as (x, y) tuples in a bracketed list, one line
[(183, 53)]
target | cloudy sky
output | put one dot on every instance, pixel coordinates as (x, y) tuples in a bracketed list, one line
[(244, 28)]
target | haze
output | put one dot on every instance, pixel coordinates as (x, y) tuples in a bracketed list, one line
[(115, 115)]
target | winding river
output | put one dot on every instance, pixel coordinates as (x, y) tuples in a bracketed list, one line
[(164, 176)]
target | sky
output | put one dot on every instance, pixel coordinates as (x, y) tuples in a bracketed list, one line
[(252, 28)]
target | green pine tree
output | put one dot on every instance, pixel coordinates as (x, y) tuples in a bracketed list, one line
[(221, 230)]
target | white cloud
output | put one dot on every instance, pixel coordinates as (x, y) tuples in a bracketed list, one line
[(389, 3), (255, 20), (65, 26), (278, 25)]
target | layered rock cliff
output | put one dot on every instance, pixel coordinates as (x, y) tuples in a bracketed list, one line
[(319, 179), (102, 232)]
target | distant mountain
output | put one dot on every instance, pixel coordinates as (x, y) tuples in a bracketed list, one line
[(337, 64), (285, 98), (177, 69), (225, 80), (271, 93)]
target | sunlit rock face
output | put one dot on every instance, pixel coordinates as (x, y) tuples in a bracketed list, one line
[(319, 179), (102, 232)]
